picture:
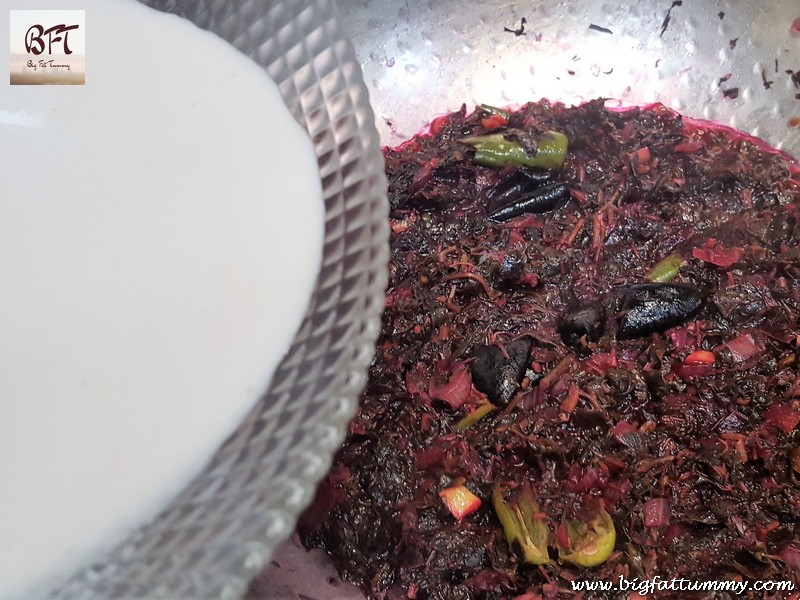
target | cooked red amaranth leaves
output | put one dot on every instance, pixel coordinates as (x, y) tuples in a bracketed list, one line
[(584, 372)]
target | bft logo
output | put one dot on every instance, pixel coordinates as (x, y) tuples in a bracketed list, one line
[(57, 34), (48, 47)]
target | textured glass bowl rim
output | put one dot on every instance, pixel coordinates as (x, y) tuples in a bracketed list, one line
[(220, 531)]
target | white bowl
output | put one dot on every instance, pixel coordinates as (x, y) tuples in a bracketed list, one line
[(221, 529)]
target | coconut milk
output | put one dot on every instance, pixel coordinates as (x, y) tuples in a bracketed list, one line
[(160, 235)]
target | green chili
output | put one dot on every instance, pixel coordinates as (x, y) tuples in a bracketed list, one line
[(494, 150), (474, 416), (523, 524), (666, 269), (590, 543)]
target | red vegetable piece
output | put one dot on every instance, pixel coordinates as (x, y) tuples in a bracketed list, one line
[(700, 357), (398, 226), (744, 346), (640, 160), (515, 237), (438, 123), (601, 362), (494, 121), (796, 25), (656, 512), (716, 254), (488, 580), (581, 481), (550, 590), (429, 457), (783, 416), (627, 132), (570, 402), (674, 530), (679, 337), (612, 463), (415, 379), (562, 536), (621, 429), (791, 556), (454, 391), (404, 224), (689, 371), (529, 279), (689, 147), (460, 501), (616, 492), (424, 175), (399, 294), (578, 195)]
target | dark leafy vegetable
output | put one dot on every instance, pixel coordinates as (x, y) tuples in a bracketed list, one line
[(494, 370)]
